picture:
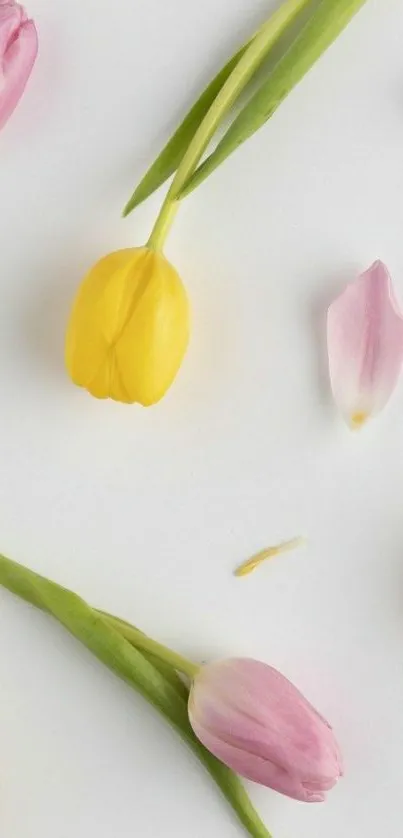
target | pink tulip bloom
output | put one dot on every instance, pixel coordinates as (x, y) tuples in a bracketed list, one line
[(256, 722), (18, 50), (365, 344)]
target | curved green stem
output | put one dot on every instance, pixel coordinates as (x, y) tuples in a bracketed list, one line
[(103, 636), (146, 644), (159, 686), (237, 81)]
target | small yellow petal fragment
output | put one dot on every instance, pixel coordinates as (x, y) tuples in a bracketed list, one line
[(269, 553), (359, 419)]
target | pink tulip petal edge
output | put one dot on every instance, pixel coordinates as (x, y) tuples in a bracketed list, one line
[(256, 722), (18, 51), (365, 345)]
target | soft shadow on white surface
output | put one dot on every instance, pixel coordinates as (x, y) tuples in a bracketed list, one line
[(43, 322)]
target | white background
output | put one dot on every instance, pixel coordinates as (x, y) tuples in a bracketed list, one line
[(147, 512)]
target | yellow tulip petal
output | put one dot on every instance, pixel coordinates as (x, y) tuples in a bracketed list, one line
[(268, 553), (129, 327)]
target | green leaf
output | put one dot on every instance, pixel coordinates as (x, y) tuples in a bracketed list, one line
[(168, 161), (93, 630), (185, 149), (170, 674), (323, 27)]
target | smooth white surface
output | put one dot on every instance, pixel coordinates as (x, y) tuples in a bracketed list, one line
[(146, 513)]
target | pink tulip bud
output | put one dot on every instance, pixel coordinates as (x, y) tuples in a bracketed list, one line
[(256, 722), (18, 50)]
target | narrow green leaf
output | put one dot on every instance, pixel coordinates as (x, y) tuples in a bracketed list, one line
[(165, 669), (185, 149), (88, 626), (247, 66), (323, 27), (94, 631), (168, 161)]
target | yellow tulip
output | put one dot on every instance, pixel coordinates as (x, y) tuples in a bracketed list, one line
[(129, 327)]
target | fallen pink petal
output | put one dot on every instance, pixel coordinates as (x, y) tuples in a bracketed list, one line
[(18, 51), (256, 722), (365, 345)]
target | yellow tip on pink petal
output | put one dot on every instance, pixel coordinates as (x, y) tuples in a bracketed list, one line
[(365, 345), (359, 419), (268, 553)]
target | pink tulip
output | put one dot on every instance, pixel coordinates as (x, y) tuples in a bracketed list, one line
[(256, 722), (365, 344), (18, 50)]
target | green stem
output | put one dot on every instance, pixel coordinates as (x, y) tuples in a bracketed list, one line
[(146, 644), (165, 669), (229, 784), (237, 81), (327, 21), (108, 645), (163, 224)]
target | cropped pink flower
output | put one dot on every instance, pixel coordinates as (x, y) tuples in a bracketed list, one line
[(18, 51), (256, 722)]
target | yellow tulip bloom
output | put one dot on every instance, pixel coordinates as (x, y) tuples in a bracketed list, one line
[(129, 327)]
